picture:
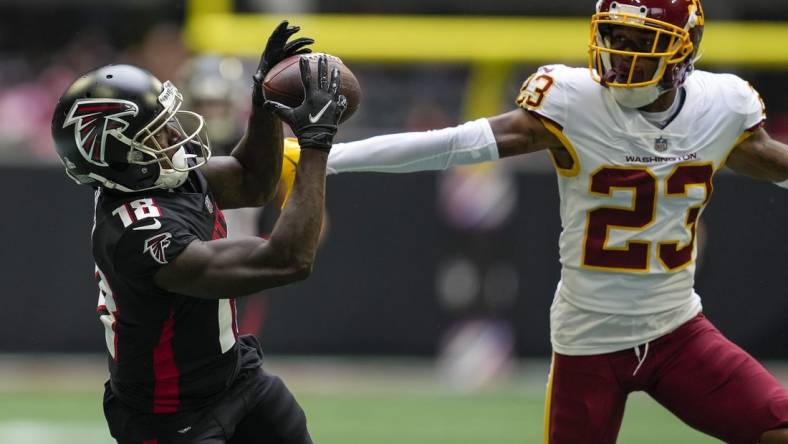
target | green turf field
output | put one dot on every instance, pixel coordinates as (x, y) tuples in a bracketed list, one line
[(502, 418), (361, 405)]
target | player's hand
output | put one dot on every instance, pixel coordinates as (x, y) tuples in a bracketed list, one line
[(276, 50), (315, 121)]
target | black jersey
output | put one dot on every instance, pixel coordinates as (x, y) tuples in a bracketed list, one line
[(168, 352)]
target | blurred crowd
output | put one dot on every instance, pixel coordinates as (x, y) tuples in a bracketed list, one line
[(214, 86), (31, 84), (415, 97)]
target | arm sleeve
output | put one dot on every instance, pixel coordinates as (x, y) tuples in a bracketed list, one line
[(472, 142), (142, 250)]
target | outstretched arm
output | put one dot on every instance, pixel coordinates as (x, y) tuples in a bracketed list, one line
[(509, 134), (522, 132), (249, 175), (229, 268), (761, 157)]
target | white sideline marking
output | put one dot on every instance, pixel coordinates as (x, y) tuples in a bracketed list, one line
[(32, 432)]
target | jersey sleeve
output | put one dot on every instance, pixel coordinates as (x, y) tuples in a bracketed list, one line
[(290, 159), (545, 93), (743, 100), (149, 244)]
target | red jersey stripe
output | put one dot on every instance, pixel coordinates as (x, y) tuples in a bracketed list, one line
[(166, 386), (235, 319)]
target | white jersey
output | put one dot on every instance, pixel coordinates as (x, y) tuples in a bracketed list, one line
[(631, 200)]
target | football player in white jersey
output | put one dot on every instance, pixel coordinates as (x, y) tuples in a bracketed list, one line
[(636, 139)]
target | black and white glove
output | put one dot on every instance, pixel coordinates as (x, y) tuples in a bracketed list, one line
[(276, 50), (315, 121)]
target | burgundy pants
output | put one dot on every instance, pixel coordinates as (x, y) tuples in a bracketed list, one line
[(695, 372)]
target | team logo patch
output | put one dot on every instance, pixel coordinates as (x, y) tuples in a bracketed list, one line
[(94, 120), (156, 245), (661, 144)]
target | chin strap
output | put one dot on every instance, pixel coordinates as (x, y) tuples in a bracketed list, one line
[(110, 185), (169, 178), (698, 55), (174, 177)]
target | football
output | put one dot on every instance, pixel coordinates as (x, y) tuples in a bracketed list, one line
[(283, 82)]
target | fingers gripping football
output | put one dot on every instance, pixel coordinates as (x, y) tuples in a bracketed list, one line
[(277, 49), (315, 121)]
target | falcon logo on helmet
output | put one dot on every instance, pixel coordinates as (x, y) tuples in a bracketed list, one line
[(107, 123), (156, 245), (94, 120)]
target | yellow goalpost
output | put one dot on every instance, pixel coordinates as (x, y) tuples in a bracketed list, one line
[(492, 46)]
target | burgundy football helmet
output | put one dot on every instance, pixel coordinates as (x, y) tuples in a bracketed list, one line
[(673, 30)]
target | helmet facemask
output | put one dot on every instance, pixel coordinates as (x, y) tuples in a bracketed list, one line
[(190, 149), (625, 43)]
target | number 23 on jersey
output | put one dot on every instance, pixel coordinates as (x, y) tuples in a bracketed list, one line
[(641, 181)]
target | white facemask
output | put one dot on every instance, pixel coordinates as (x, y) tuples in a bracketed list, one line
[(636, 97), (170, 178)]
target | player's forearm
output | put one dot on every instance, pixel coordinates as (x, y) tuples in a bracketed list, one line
[(225, 268), (781, 164), (774, 160), (472, 142), (295, 236), (761, 157), (237, 267), (260, 154)]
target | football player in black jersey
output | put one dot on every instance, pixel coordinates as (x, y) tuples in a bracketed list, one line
[(179, 372)]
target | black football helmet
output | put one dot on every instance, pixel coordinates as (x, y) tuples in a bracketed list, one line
[(118, 127)]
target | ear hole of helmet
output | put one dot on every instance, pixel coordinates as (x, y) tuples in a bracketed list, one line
[(119, 166)]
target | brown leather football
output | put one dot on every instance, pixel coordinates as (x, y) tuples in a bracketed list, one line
[(283, 82)]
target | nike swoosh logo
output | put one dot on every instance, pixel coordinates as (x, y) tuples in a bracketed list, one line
[(184, 430), (154, 226), (314, 119)]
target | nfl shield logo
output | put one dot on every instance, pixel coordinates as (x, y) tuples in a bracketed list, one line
[(661, 145)]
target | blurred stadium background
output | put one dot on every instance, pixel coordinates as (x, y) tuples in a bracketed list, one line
[(426, 318)]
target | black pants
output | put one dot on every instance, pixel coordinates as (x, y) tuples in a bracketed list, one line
[(258, 409)]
